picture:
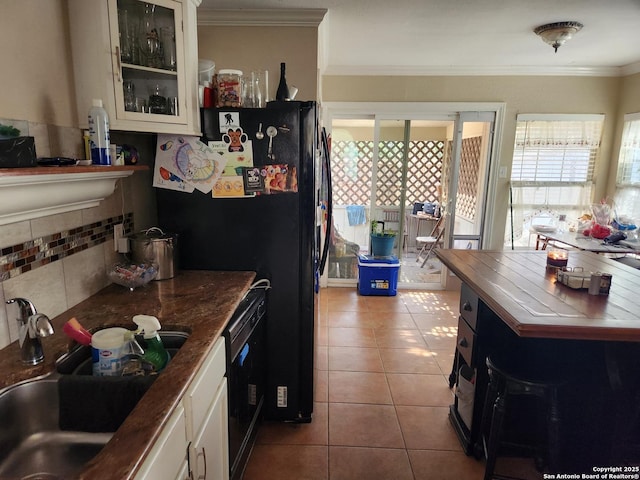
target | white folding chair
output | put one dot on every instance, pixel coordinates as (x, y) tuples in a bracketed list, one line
[(431, 242)]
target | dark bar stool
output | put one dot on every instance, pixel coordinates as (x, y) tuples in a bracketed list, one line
[(504, 393), (621, 361)]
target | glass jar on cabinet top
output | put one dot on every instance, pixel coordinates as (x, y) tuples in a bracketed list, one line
[(149, 78)]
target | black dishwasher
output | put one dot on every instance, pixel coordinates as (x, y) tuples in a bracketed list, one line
[(246, 376)]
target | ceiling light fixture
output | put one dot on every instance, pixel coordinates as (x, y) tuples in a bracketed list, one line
[(555, 34)]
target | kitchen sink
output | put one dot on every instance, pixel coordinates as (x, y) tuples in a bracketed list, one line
[(78, 361), (31, 443), (53, 425)]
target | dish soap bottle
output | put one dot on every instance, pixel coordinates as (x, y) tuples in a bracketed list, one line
[(155, 352)]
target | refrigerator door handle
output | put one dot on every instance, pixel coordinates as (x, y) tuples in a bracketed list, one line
[(327, 168)]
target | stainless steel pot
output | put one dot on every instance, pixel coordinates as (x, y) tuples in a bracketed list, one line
[(154, 245)]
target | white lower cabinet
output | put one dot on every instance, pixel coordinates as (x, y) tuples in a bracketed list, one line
[(206, 407), (195, 442), (209, 451), (184, 472), (168, 457)]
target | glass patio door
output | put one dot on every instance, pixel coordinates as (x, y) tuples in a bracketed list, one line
[(388, 161), (466, 175), (383, 170)]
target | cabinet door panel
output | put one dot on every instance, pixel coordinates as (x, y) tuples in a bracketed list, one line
[(203, 389), (104, 67), (141, 64), (210, 455), (169, 453)]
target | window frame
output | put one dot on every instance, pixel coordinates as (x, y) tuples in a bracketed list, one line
[(627, 193), (544, 196)]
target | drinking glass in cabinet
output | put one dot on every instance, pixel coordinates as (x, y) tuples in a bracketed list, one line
[(168, 36), (127, 41), (150, 45), (172, 105), (141, 105), (129, 90)]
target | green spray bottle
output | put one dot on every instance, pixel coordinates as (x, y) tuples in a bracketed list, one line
[(154, 353)]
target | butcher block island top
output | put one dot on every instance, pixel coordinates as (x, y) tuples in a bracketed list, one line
[(520, 289), (198, 302)]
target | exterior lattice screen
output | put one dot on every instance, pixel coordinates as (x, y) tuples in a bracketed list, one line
[(352, 167), (466, 201)]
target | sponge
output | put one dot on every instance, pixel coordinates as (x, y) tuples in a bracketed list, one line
[(77, 332)]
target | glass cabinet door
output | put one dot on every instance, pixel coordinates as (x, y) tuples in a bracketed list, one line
[(149, 83)]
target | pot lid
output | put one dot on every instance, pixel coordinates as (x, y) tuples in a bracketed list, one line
[(153, 233)]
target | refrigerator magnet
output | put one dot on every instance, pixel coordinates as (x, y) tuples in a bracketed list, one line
[(253, 181), (228, 120), (235, 139)]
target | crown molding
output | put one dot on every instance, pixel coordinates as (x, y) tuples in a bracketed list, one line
[(631, 69), (273, 17), (473, 70)]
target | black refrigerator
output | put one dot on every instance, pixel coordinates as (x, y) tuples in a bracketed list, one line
[(277, 235)]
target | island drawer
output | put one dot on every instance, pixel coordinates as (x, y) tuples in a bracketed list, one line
[(465, 341), (469, 304)]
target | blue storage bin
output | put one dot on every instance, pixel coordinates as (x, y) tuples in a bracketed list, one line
[(378, 276)]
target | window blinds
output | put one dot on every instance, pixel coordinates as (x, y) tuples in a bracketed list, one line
[(627, 197), (554, 158), (552, 150), (629, 159)]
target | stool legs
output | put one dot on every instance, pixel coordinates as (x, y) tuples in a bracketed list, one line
[(504, 392), (554, 433), (499, 408)]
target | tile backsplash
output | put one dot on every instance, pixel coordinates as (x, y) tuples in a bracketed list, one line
[(38, 252), (60, 260), (51, 140)]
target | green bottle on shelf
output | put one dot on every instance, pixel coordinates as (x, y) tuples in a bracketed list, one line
[(154, 353)]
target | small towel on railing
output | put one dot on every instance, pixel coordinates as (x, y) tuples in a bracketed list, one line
[(356, 215)]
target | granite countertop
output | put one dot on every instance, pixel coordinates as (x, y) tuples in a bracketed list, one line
[(198, 302)]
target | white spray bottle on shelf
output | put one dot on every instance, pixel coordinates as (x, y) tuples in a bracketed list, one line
[(154, 353), (99, 134)]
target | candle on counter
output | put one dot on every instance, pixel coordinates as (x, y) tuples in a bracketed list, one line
[(557, 258)]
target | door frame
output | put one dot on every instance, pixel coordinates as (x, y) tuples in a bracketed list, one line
[(452, 182), (423, 111)]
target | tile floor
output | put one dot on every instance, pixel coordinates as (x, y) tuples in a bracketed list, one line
[(382, 395)]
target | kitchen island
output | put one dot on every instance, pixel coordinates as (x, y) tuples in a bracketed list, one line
[(512, 307), (198, 302)]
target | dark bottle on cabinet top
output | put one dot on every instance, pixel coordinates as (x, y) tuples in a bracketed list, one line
[(283, 90)]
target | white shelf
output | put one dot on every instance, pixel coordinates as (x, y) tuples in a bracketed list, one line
[(28, 196)]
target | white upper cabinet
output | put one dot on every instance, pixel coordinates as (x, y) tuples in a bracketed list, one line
[(141, 59)]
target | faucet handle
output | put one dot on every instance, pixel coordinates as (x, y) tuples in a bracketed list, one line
[(26, 308), (39, 325)]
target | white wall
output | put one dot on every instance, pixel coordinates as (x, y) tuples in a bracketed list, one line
[(36, 74), (263, 48)]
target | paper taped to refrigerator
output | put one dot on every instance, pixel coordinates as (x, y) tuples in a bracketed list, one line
[(190, 160)]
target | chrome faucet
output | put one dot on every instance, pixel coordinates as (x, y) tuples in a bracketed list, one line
[(31, 327)]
